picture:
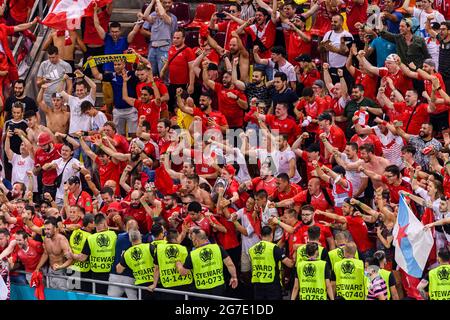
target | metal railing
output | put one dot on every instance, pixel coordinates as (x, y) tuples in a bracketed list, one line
[(39, 30), (94, 282)]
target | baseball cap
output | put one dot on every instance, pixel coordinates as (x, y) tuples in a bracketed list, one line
[(73, 179), (392, 57), (56, 95), (430, 62), (303, 58), (319, 83), (324, 116)]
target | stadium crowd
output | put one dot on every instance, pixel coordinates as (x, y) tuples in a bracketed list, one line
[(267, 165)]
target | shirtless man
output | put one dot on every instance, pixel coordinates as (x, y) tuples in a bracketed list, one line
[(57, 250), (57, 116), (371, 162), (34, 128), (188, 169), (66, 42), (192, 187)]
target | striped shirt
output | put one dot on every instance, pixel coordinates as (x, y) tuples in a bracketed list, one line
[(377, 287), (391, 146)]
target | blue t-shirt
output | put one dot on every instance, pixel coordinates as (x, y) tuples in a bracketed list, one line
[(122, 244), (383, 49), (393, 27), (116, 83), (112, 47)]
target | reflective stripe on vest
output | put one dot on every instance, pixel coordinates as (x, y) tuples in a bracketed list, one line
[(77, 240), (140, 261), (350, 283), (103, 247), (168, 255), (263, 262), (439, 288), (207, 267), (311, 280)]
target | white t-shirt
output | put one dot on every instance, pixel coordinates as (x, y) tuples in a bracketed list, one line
[(98, 121), (68, 172), (282, 159), (433, 50), (78, 121), (237, 156), (252, 238), (391, 146), (421, 15), (336, 60), (20, 166), (355, 177), (288, 69)]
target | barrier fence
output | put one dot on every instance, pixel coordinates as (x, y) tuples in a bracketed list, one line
[(94, 282)]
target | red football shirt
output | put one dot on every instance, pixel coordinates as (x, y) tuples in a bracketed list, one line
[(369, 82), (401, 82), (269, 185), (293, 191), (429, 87), (286, 126), (414, 116), (229, 107), (179, 66), (84, 201), (30, 258), (324, 234), (358, 229), (162, 88), (150, 110), (110, 171), (41, 158)]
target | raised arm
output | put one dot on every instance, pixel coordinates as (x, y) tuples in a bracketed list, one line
[(125, 96), (367, 65), (100, 31), (206, 80)]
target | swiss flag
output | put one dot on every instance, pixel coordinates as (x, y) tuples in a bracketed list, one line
[(163, 181), (67, 14)]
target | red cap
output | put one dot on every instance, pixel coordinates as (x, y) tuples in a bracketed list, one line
[(115, 206), (44, 138), (230, 169)]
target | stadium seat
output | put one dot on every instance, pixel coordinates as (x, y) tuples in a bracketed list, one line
[(191, 39), (182, 11), (203, 14)]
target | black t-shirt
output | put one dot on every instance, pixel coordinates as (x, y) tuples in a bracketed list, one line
[(287, 96), (188, 262), (29, 103), (15, 140)]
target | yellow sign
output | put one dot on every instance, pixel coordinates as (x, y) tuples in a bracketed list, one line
[(94, 61)]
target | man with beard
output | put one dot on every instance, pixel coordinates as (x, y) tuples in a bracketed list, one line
[(136, 157), (254, 89), (308, 220), (56, 116), (281, 122), (202, 196), (47, 152), (282, 93), (210, 119), (420, 142), (19, 95), (360, 102), (172, 210), (145, 76), (148, 105), (107, 166), (57, 251), (137, 211), (29, 252), (179, 64), (370, 162), (232, 102)]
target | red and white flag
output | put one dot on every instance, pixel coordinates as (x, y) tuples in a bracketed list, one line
[(67, 14)]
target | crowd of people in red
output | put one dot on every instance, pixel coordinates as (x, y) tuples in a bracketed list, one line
[(303, 127)]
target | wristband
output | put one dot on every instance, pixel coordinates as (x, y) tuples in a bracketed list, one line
[(279, 221), (438, 88)]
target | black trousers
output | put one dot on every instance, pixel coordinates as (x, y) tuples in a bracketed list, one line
[(269, 291)]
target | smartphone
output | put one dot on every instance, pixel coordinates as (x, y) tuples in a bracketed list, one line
[(348, 39), (399, 124), (221, 15)]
